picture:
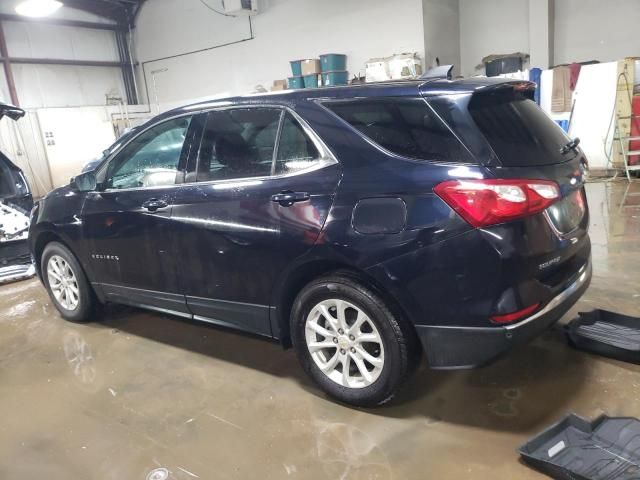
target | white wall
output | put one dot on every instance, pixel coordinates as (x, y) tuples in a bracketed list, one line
[(286, 30), (491, 26), (580, 30), (442, 32), (596, 30)]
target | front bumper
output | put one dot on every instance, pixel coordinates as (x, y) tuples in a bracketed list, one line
[(468, 347)]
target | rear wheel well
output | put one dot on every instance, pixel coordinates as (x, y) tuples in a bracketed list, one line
[(317, 269)]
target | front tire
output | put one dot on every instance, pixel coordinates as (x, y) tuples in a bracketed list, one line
[(67, 284), (350, 342)]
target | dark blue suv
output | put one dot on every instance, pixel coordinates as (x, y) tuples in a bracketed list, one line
[(363, 225)]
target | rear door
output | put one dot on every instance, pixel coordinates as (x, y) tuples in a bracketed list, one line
[(258, 197)]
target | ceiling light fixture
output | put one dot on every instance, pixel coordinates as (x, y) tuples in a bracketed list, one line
[(37, 8)]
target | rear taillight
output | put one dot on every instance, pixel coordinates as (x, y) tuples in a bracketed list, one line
[(513, 316), (487, 202)]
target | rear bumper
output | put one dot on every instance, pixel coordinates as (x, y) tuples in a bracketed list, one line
[(467, 347)]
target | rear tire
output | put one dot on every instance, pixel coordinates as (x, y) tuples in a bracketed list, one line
[(338, 322), (67, 284)]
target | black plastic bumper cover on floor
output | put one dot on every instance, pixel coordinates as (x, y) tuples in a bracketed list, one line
[(606, 333), (576, 449)]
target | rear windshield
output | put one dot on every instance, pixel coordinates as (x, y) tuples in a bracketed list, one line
[(518, 131), (404, 126)]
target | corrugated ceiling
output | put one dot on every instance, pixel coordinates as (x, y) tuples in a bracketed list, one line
[(122, 11)]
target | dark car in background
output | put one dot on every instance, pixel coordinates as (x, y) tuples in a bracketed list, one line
[(363, 225), (16, 202)]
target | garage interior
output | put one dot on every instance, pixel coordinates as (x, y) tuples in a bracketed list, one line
[(144, 395)]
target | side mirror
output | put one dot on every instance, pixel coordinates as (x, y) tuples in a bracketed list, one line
[(85, 182)]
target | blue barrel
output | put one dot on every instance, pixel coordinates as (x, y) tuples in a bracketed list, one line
[(333, 62), (330, 79), (296, 82), (296, 67), (311, 81)]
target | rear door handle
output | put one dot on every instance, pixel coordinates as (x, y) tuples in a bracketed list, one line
[(154, 204), (286, 199)]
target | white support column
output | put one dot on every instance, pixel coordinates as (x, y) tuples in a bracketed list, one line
[(541, 33)]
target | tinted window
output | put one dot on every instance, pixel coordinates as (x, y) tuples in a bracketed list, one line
[(406, 127), (150, 159), (238, 143), (296, 151), (519, 132)]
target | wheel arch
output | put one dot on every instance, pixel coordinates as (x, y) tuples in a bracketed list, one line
[(305, 273), (42, 240)]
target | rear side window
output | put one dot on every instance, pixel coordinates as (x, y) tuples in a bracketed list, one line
[(254, 142), (406, 127), (296, 151), (238, 143)]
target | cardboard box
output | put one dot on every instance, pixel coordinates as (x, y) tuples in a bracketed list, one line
[(279, 85), (310, 66), (405, 65), (377, 70), (395, 67)]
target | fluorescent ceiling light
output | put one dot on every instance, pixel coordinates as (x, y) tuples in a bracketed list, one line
[(37, 8)]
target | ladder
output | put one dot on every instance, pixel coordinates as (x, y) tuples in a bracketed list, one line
[(624, 144)]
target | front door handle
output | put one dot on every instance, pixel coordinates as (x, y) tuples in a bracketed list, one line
[(154, 204), (288, 198)]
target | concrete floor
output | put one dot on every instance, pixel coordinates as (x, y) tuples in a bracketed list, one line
[(141, 391)]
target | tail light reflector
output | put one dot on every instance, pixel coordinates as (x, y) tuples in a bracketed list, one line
[(488, 202), (513, 316)]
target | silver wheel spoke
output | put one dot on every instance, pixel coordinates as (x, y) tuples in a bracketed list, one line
[(368, 337), (331, 363), (346, 364), (320, 345), (360, 319), (55, 276), (375, 361), (340, 311), (362, 368), (321, 330), (329, 318)]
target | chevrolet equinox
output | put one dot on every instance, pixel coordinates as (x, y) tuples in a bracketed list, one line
[(364, 225)]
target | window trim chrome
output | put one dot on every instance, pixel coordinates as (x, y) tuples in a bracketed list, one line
[(326, 155)]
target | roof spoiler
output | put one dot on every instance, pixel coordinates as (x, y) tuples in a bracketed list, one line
[(441, 72)]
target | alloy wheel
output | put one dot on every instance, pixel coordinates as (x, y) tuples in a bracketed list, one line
[(344, 343), (63, 282)]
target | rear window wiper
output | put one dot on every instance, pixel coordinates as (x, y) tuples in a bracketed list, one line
[(571, 145)]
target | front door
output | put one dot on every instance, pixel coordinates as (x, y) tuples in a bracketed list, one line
[(262, 190), (127, 220)]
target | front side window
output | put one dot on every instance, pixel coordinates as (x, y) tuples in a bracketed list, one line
[(404, 126), (151, 159)]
